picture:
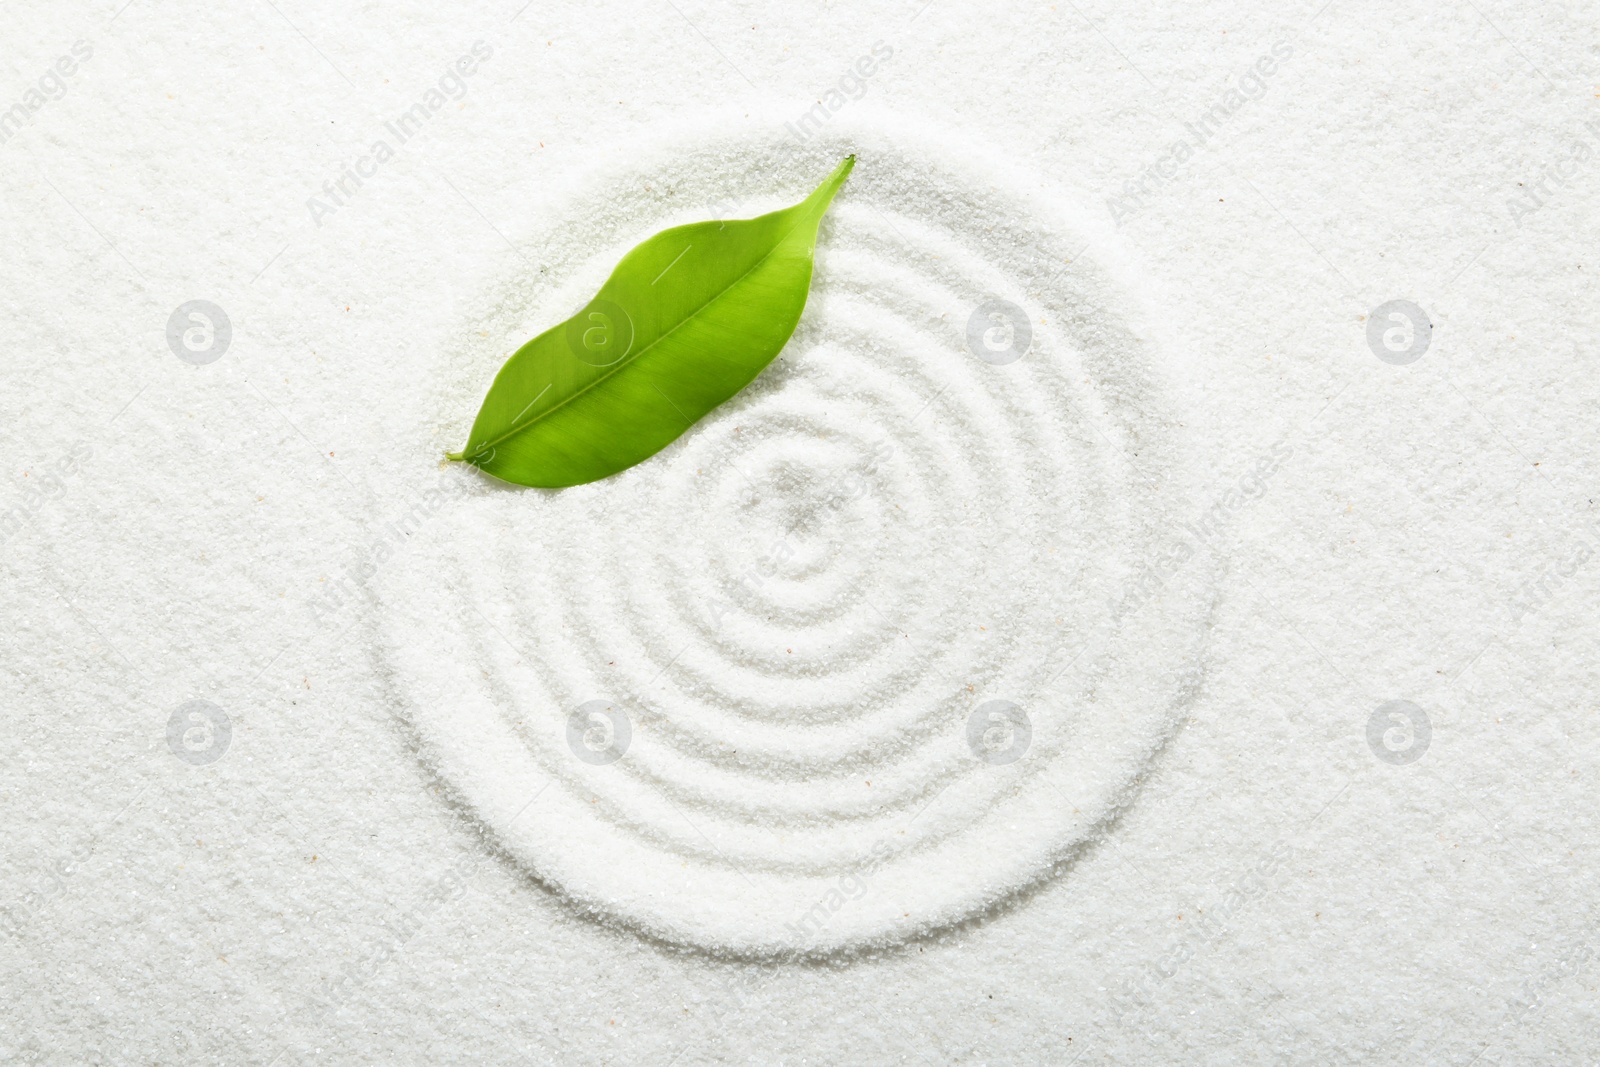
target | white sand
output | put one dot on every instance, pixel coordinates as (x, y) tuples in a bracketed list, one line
[(1199, 536)]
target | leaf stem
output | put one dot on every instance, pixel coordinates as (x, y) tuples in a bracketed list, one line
[(455, 456)]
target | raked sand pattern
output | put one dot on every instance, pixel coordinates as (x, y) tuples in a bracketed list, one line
[(853, 659)]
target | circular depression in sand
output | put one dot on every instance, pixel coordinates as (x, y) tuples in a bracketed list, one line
[(855, 658)]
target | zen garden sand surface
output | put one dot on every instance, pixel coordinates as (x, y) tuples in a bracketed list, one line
[(1144, 614)]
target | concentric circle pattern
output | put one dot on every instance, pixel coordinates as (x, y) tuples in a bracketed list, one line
[(854, 658)]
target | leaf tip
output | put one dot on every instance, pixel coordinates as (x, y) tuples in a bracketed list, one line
[(830, 186)]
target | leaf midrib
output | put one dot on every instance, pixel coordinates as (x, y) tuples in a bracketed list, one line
[(629, 360)]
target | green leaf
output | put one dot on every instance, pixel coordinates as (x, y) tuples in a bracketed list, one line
[(687, 319)]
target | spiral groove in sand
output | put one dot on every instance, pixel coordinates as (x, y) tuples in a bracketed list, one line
[(800, 607)]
